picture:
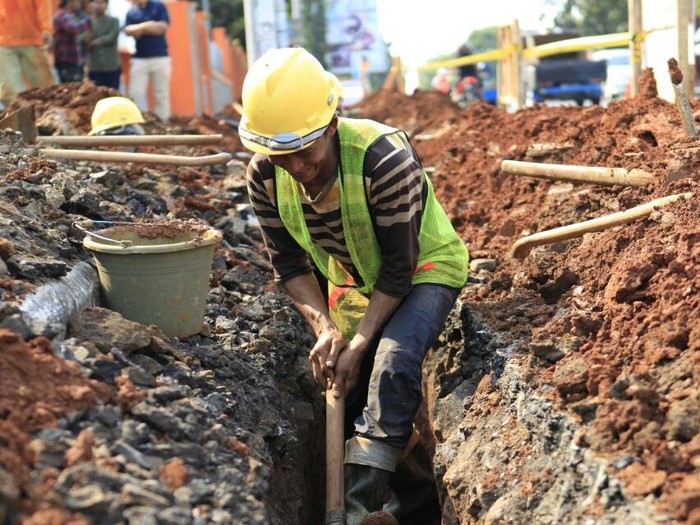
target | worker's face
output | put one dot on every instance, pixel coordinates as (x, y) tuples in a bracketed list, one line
[(309, 166), (73, 5), (98, 7)]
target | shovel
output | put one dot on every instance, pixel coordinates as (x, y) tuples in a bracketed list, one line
[(335, 455)]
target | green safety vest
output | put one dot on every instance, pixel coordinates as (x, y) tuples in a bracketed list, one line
[(443, 257)]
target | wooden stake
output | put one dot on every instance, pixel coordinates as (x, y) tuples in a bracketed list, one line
[(597, 175), (523, 246)]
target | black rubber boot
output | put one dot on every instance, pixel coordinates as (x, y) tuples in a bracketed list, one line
[(414, 496), (366, 491)]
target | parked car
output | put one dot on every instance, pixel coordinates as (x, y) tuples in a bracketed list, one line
[(569, 76)]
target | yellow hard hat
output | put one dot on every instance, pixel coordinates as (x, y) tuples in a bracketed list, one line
[(112, 112), (288, 101), (337, 86)]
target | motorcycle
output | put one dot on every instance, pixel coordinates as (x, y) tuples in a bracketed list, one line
[(469, 89)]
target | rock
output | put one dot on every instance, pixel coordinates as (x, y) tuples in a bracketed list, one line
[(623, 284), (546, 350), (570, 377), (553, 350), (6, 249), (563, 280), (81, 449), (134, 432), (139, 376), (174, 473), (143, 516), (30, 267), (132, 455), (132, 494), (175, 516), (90, 498), (683, 419), (476, 265), (160, 419), (107, 329)]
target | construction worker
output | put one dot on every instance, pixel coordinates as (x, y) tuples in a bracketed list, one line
[(25, 35), (351, 197), (116, 116)]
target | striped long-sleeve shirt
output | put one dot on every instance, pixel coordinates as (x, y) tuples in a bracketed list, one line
[(395, 186)]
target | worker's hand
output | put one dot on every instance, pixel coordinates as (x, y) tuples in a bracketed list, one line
[(324, 354), (347, 368), (48, 40)]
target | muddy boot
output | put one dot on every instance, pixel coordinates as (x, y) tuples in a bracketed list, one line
[(369, 466), (365, 491), (414, 496)]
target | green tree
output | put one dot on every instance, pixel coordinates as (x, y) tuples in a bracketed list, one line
[(591, 17), (484, 39), (229, 15), (313, 19)]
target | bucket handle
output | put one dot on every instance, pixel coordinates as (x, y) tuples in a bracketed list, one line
[(84, 225)]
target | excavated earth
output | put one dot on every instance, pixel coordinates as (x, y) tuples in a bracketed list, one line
[(564, 388)]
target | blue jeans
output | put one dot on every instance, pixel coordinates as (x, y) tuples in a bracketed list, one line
[(389, 391)]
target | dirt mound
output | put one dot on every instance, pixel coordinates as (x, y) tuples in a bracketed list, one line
[(619, 307)]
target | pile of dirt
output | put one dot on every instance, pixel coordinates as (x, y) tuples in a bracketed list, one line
[(613, 319)]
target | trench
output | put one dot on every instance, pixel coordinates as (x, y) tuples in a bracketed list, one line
[(475, 390)]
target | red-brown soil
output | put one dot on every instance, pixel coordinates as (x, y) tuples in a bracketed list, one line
[(627, 296)]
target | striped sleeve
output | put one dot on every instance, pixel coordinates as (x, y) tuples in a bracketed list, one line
[(287, 257), (396, 189)]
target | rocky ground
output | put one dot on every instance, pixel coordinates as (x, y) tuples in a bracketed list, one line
[(564, 388)]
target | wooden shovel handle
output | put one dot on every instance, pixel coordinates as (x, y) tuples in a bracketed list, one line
[(597, 175), (335, 456), (131, 140), (523, 246), (141, 158)]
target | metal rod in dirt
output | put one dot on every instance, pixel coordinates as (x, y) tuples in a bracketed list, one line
[(522, 247), (130, 140), (140, 158), (594, 174)]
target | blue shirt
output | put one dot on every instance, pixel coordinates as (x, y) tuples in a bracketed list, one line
[(149, 46)]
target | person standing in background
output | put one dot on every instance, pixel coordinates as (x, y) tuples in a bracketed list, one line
[(147, 21), (25, 36), (102, 56), (70, 27)]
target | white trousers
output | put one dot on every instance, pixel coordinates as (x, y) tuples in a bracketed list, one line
[(155, 71)]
